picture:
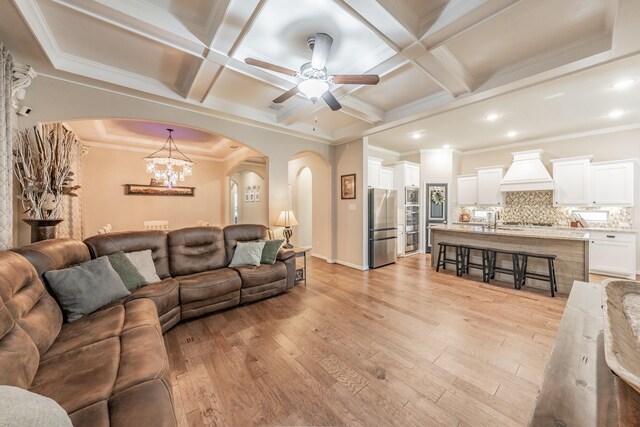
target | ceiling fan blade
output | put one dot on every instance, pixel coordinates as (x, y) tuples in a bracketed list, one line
[(288, 94), (268, 66), (321, 48), (331, 101), (356, 79)]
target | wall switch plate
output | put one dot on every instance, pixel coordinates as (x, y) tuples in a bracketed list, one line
[(352, 207)]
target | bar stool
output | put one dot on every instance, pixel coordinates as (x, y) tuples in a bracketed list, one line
[(514, 270), (466, 263), (551, 277), (442, 257)]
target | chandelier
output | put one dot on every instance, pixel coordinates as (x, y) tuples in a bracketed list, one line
[(169, 164)]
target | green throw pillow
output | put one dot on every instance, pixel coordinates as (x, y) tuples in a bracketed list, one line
[(127, 271), (270, 251), (247, 253), (86, 287)]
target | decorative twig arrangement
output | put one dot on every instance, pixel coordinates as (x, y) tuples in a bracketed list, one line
[(43, 156)]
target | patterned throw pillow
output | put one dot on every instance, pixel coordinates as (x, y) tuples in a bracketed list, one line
[(247, 253), (127, 271)]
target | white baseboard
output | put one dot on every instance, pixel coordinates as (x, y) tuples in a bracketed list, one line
[(352, 265), (322, 257)]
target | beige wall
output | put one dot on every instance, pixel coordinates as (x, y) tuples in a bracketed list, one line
[(250, 212), (351, 239), (57, 100), (322, 200), (104, 201)]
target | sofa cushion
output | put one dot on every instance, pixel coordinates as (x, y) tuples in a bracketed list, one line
[(209, 284), (196, 249), (127, 271), (27, 301), (262, 274), (270, 251), (84, 288), (127, 351), (54, 254), (242, 233), (247, 253), (143, 262), (133, 241), (20, 407), (166, 296)]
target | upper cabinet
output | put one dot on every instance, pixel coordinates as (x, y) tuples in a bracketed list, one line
[(374, 172), (411, 175), (612, 183), (572, 180), (468, 190), (489, 180), (386, 178)]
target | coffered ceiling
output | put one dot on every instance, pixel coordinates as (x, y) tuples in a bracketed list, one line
[(435, 57)]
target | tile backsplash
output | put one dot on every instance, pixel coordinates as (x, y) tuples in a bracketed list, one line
[(537, 207)]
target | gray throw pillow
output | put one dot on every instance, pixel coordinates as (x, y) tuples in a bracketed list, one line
[(247, 253), (20, 407), (127, 271), (144, 263), (86, 287), (270, 251)]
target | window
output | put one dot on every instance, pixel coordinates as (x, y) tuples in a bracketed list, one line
[(594, 216)]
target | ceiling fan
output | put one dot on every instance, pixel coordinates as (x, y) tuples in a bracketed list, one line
[(315, 79)]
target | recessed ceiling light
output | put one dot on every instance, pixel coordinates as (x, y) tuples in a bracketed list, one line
[(623, 84), (555, 95), (512, 134), (416, 135), (615, 114), (492, 117), (445, 146)]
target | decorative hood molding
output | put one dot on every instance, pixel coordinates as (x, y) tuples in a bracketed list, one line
[(527, 173)]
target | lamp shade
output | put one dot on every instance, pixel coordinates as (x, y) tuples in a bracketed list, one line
[(286, 219)]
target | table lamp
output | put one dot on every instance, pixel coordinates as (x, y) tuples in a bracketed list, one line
[(287, 219)]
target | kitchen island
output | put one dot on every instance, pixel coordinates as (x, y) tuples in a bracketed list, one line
[(571, 248)]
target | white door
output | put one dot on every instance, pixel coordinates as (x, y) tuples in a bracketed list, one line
[(612, 184), (613, 258), (467, 190), (572, 180), (489, 193)]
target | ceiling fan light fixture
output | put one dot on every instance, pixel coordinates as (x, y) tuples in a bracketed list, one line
[(313, 88)]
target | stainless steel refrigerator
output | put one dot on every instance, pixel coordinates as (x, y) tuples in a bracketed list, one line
[(383, 227)]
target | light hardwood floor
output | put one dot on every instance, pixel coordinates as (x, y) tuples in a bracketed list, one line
[(401, 345)]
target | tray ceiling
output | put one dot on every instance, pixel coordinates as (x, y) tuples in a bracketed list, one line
[(432, 55)]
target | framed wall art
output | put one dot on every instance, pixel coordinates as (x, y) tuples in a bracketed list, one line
[(348, 186)]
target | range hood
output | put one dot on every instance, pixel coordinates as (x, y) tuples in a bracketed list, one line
[(527, 173)]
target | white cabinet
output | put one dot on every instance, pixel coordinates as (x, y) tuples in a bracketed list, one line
[(612, 183), (468, 190), (386, 178), (374, 172), (411, 175), (489, 180), (613, 254), (572, 180)]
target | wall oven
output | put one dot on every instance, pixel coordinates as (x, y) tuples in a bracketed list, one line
[(411, 195)]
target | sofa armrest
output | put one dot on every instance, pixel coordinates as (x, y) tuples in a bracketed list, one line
[(284, 254)]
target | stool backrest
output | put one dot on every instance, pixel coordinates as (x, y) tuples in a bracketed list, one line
[(156, 225)]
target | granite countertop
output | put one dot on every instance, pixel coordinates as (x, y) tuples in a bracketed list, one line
[(533, 232), (555, 227)]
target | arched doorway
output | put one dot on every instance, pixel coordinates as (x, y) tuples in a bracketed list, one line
[(304, 210), (233, 202)]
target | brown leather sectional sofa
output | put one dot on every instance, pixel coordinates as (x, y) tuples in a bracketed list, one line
[(110, 368)]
